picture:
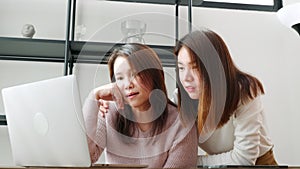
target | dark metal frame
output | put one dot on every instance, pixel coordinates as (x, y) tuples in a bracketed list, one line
[(67, 41), (202, 3), (277, 5), (3, 120), (41, 50), (69, 60)]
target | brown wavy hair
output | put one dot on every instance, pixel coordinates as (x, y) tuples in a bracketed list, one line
[(206, 49), (146, 63)]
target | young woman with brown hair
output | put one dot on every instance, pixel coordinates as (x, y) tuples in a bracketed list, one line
[(230, 116), (143, 125)]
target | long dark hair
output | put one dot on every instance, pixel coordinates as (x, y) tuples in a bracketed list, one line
[(238, 86), (146, 63)]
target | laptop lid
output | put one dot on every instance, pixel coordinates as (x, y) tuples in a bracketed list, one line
[(45, 123)]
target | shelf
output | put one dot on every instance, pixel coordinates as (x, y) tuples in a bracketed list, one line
[(97, 52), (31, 49), (209, 4), (82, 52)]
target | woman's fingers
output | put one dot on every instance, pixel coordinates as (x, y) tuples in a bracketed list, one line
[(103, 107)]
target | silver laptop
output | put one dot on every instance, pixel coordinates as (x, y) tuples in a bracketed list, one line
[(45, 123)]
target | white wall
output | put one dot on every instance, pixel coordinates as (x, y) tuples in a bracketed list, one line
[(47, 16), (257, 41), (263, 47)]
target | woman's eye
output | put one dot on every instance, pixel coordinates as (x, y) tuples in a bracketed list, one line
[(180, 68), (119, 78)]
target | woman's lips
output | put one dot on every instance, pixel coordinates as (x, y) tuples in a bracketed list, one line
[(190, 89), (132, 95)]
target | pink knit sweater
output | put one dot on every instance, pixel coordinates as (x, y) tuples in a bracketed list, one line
[(175, 147)]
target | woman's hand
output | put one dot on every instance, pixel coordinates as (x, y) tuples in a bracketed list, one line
[(106, 93), (103, 107)]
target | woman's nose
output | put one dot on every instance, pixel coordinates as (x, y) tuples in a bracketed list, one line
[(188, 76), (128, 83)]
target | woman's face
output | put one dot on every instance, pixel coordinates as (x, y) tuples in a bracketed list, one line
[(130, 85), (189, 75)]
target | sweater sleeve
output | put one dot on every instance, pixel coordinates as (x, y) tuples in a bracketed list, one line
[(184, 153), (247, 122), (95, 128)]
